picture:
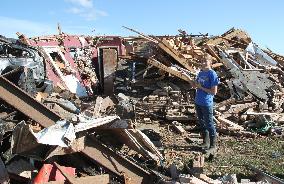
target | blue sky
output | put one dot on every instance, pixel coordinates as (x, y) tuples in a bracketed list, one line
[(263, 20)]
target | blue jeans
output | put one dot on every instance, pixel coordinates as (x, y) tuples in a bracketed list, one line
[(205, 119)]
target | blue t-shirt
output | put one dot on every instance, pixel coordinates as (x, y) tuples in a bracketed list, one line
[(207, 79)]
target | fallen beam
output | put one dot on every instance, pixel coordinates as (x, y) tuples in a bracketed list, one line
[(170, 70), (212, 52), (26, 104)]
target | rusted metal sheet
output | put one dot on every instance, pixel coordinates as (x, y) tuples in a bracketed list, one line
[(115, 163), (26, 104)]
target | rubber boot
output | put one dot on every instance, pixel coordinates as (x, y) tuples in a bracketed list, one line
[(213, 146), (206, 141)]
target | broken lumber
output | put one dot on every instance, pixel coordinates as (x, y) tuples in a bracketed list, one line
[(177, 126), (164, 45), (115, 163), (229, 123)]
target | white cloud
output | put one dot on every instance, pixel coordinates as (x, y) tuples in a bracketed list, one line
[(85, 9), (75, 10), (83, 3), (88, 14), (102, 13), (9, 27), (93, 14)]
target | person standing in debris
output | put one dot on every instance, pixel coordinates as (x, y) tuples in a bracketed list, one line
[(206, 87)]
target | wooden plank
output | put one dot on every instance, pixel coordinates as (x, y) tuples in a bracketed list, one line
[(142, 35), (143, 139), (229, 123), (176, 55), (237, 133), (277, 57), (99, 179)]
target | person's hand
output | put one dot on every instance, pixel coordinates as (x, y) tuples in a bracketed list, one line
[(197, 85), (193, 84)]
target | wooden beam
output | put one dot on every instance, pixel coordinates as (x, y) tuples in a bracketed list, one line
[(212, 52)]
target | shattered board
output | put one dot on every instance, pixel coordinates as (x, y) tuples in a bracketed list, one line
[(257, 83), (254, 81)]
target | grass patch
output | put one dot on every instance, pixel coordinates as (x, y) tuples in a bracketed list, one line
[(266, 153)]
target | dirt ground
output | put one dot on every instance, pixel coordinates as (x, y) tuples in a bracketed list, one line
[(234, 153)]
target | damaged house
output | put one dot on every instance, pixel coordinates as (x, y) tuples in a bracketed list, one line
[(112, 109)]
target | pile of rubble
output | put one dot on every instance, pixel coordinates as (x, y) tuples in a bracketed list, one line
[(251, 89), (100, 109)]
